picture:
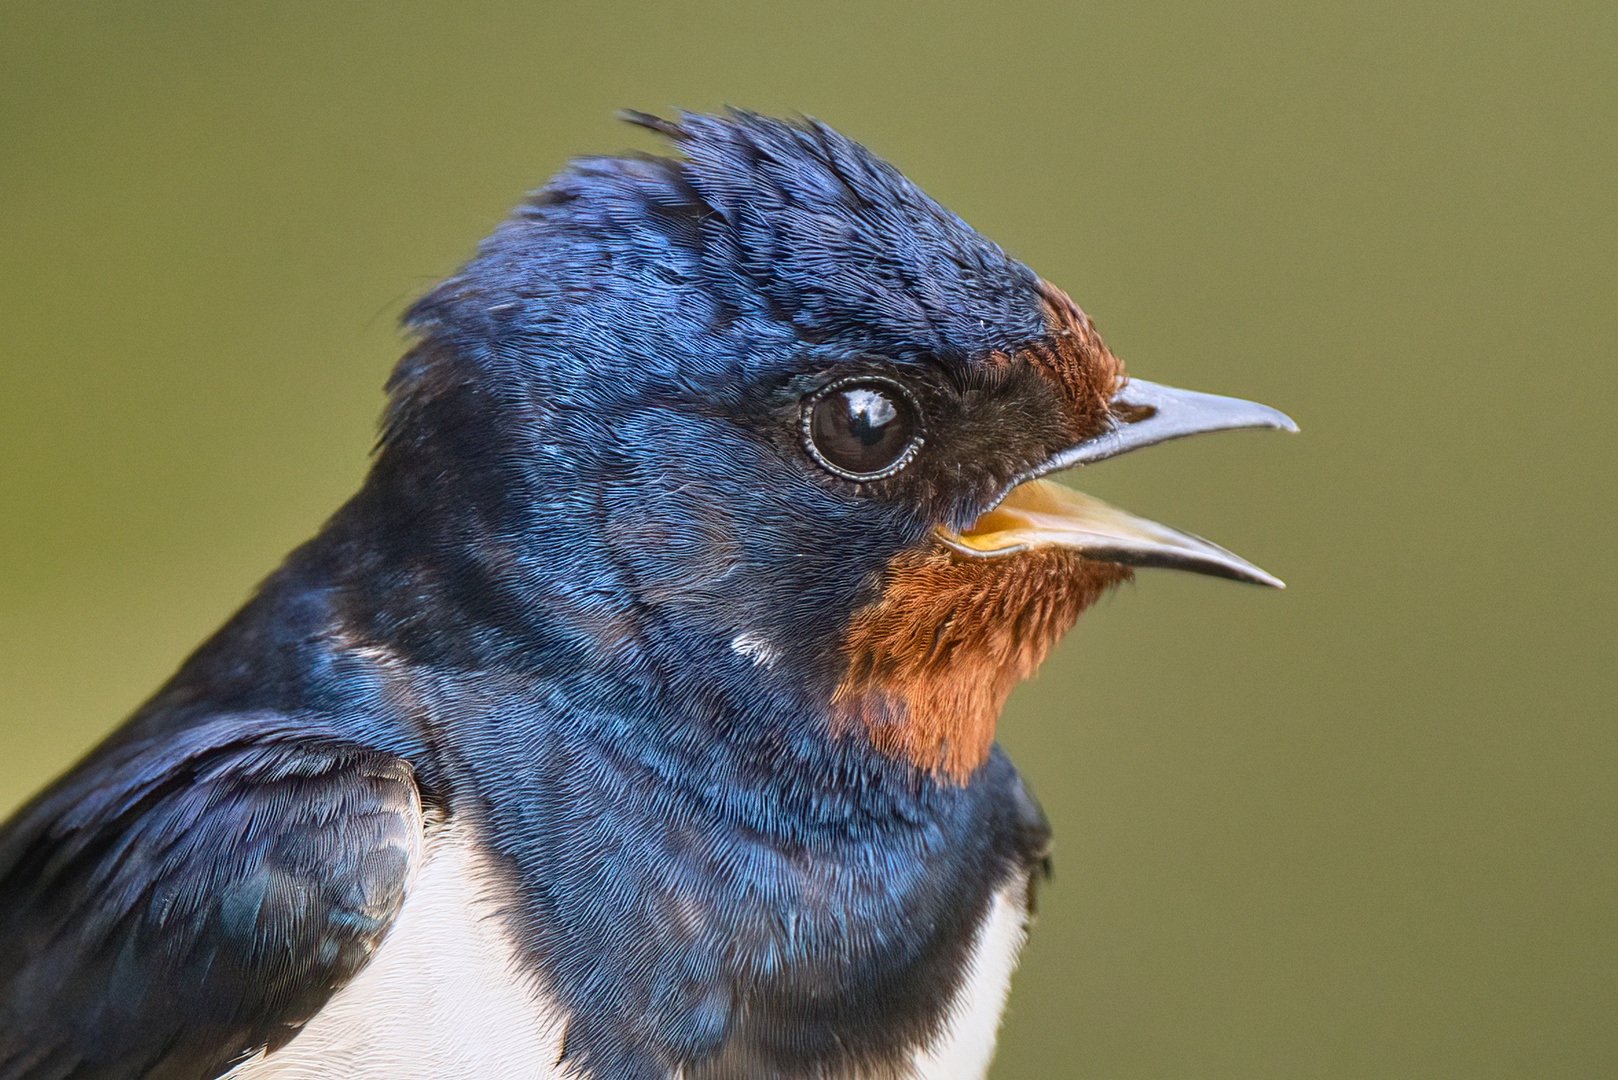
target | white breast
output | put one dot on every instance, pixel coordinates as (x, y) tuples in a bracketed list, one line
[(443, 998), (963, 1049)]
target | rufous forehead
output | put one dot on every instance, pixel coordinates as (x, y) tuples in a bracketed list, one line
[(1073, 356)]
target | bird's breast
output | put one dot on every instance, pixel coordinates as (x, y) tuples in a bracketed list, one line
[(447, 996)]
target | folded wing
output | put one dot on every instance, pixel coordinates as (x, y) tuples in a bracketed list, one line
[(173, 907)]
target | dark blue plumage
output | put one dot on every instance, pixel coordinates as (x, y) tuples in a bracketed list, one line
[(597, 604)]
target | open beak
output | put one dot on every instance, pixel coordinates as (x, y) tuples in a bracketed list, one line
[(1040, 513)]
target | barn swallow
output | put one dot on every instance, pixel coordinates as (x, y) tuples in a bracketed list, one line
[(635, 720)]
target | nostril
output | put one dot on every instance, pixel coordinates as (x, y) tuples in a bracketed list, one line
[(1124, 412)]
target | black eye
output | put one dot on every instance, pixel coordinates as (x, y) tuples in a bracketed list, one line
[(863, 429)]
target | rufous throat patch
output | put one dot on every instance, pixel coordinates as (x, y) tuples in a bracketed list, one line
[(931, 661)]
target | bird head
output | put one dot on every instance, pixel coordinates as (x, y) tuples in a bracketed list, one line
[(761, 418)]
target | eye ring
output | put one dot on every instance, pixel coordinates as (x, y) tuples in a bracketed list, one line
[(908, 410)]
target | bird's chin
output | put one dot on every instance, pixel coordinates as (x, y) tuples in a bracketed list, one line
[(1042, 514)]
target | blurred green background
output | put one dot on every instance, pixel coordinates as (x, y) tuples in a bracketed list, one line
[(1367, 827)]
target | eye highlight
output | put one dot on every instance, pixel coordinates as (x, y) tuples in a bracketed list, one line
[(863, 428)]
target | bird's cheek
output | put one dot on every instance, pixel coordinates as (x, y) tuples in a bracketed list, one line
[(931, 661), (676, 539)]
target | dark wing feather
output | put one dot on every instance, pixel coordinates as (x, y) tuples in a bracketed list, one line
[(173, 906)]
